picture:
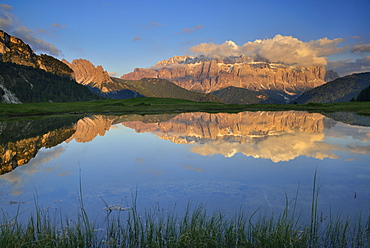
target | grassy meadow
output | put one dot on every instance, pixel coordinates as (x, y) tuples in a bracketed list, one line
[(165, 105)]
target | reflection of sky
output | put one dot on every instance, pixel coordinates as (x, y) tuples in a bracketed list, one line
[(329, 144), (121, 162)]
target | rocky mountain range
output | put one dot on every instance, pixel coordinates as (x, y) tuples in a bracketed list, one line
[(204, 74), (27, 77), (101, 83)]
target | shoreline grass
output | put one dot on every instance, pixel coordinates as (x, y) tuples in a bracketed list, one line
[(127, 227), (196, 228), (164, 105)]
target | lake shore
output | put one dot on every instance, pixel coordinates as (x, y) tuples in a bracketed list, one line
[(127, 227), (165, 105)]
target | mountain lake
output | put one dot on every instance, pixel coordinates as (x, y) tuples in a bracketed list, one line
[(225, 162)]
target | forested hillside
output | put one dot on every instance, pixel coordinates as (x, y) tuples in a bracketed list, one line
[(339, 90), (21, 84), (156, 87), (364, 95), (240, 95)]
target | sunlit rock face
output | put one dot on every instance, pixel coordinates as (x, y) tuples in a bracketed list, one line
[(87, 74), (278, 136), (13, 49), (210, 74)]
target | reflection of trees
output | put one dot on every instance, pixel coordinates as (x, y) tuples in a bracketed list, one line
[(20, 140), (14, 154)]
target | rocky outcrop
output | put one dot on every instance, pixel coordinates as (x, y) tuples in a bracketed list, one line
[(87, 74), (14, 50), (208, 74), (330, 75)]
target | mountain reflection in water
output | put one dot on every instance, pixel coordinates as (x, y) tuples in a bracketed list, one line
[(227, 161), (278, 136)]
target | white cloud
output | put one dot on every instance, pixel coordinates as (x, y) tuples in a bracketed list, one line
[(10, 24), (285, 49)]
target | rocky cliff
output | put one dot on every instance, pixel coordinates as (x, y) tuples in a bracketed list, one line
[(205, 74), (14, 50), (87, 74)]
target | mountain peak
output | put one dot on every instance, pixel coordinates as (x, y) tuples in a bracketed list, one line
[(87, 74)]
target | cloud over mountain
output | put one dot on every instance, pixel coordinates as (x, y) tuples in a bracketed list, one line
[(345, 67), (10, 23), (284, 49)]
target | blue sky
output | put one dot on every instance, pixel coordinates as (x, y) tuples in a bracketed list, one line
[(123, 35)]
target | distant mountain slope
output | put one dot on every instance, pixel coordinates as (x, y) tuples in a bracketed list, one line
[(156, 87), (340, 90), (21, 84), (331, 75), (240, 95)]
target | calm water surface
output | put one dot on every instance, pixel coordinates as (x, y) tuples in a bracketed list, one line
[(225, 161)]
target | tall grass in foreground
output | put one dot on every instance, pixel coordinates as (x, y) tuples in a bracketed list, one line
[(126, 227)]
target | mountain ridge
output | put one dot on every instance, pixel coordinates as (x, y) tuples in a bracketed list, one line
[(102, 84), (14, 50)]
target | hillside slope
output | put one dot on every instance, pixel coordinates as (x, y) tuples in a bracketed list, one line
[(240, 95), (156, 87), (339, 90), (21, 84), (14, 50)]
